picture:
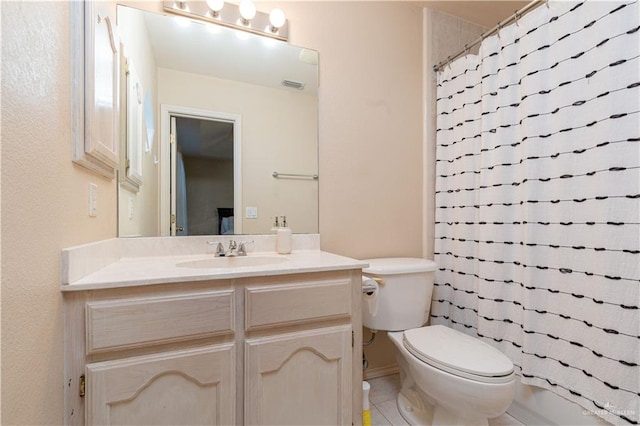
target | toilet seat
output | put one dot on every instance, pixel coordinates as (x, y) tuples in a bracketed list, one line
[(459, 354)]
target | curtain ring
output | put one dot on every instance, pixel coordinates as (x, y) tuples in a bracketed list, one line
[(546, 3), (517, 17), (499, 29), (466, 49)]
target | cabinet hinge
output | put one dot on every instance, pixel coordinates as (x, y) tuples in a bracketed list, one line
[(353, 338), (173, 219), (82, 386), (172, 138)]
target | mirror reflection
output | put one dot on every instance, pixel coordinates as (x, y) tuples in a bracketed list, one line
[(208, 115)]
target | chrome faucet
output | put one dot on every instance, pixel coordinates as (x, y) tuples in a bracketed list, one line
[(235, 249), (231, 251)]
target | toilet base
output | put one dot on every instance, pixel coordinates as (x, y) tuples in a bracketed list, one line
[(426, 415), (415, 416)]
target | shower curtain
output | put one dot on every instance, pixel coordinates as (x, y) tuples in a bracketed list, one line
[(537, 201)]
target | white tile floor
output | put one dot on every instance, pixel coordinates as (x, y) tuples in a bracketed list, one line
[(384, 411)]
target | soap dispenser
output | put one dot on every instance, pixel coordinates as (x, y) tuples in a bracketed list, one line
[(283, 239), (276, 225)]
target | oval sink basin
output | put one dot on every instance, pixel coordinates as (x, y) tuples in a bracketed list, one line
[(232, 262)]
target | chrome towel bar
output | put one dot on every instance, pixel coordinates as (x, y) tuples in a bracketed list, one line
[(293, 175)]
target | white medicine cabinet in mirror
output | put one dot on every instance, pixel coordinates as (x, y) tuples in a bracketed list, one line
[(207, 116)]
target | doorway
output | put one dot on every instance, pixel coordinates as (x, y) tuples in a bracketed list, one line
[(201, 169)]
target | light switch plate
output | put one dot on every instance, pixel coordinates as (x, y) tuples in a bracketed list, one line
[(93, 200), (131, 203), (251, 213)]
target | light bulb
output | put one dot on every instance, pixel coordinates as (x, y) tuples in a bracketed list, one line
[(277, 19), (215, 6), (247, 10)]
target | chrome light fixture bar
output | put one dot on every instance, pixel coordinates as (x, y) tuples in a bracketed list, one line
[(241, 17)]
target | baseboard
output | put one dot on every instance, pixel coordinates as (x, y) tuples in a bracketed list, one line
[(372, 373), (528, 417)]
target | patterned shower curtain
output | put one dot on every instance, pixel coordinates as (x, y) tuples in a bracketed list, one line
[(537, 201)]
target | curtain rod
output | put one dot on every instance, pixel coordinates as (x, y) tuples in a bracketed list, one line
[(517, 15)]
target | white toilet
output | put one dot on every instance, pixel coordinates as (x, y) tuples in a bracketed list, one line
[(447, 377)]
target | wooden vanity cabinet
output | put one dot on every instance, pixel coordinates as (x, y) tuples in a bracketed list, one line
[(264, 350)]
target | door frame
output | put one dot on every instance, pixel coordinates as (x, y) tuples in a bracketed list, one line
[(164, 163)]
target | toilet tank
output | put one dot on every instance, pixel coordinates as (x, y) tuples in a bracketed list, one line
[(404, 295)]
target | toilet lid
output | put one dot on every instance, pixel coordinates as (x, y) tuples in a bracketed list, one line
[(456, 352)]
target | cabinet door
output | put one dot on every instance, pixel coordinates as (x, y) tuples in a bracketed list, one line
[(301, 378), (188, 387)]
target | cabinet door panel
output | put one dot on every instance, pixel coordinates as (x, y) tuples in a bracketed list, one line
[(188, 387), (299, 378)]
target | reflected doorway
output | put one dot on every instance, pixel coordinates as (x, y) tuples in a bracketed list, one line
[(204, 180)]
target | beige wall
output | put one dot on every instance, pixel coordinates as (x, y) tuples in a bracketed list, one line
[(371, 157), (44, 207)]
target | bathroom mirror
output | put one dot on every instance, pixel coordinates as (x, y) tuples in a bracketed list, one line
[(245, 109)]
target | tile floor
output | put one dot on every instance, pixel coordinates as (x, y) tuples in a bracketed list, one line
[(384, 411)]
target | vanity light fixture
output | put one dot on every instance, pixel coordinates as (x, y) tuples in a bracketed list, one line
[(242, 16), (215, 6)]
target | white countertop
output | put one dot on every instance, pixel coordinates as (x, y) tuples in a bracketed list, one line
[(136, 271)]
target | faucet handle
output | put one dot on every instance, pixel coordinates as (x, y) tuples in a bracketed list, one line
[(242, 250), (219, 248), (232, 245)]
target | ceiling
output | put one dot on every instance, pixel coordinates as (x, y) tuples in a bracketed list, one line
[(485, 13)]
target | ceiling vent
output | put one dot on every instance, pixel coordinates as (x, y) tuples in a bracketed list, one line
[(293, 84)]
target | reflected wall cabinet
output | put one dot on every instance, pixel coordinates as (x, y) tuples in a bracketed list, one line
[(96, 86)]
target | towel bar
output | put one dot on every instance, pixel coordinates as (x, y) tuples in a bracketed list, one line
[(293, 175)]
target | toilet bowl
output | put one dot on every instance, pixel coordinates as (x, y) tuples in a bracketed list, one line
[(447, 377)]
